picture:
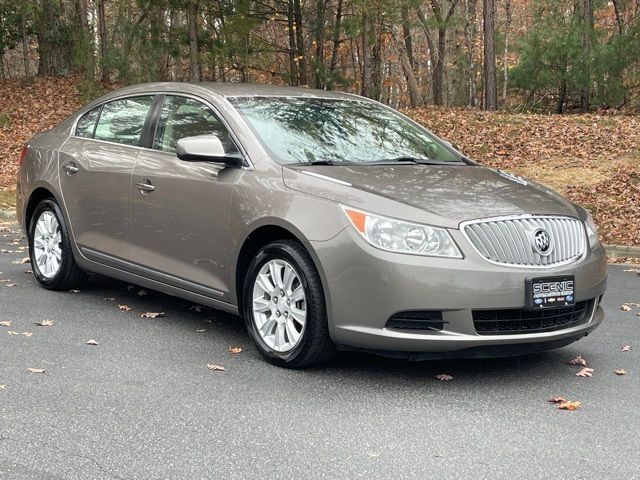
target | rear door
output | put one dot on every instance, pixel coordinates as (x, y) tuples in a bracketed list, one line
[(180, 208), (96, 164)]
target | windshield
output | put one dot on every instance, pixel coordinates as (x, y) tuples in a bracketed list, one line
[(304, 130)]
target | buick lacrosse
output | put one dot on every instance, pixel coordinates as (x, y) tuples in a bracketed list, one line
[(327, 220)]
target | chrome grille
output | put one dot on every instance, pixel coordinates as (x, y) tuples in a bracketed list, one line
[(510, 241)]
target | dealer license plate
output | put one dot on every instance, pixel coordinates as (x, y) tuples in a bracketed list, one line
[(550, 292)]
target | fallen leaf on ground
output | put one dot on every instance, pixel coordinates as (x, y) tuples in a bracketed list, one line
[(2, 387), (557, 400), (625, 308), (142, 293), (569, 405), (74, 290), (45, 323), (21, 261), (626, 348), (152, 314), (197, 308), (216, 368), (5, 323), (585, 372), (620, 371), (444, 377), (126, 308), (202, 330), (28, 272), (9, 284), (35, 370), (91, 342), (131, 287), (234, 350), (26, 334), (578, 361)]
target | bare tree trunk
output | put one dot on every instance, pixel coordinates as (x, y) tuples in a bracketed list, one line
[(490, 84), (89, 68), (507, 27), (319, 51), (194, 61), (616, 9), (293, 51), (102, 35), (406, 32), (365, 90), (336, 44), (377, 62), (415, 98), (302, 64), (561, 95), (25, 49), (469, 38), (433, 54), (587, 12), (439, 67)]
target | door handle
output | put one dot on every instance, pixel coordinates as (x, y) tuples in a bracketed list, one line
[(145, 186), (71, 168)]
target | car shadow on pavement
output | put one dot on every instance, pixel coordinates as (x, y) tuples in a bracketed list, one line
[(225, 329)]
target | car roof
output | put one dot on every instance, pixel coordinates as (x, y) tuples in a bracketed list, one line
[(230, 90)]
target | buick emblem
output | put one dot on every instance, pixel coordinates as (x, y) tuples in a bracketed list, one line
[(542, 242)]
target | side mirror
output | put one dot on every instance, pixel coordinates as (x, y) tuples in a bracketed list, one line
[(206, 148)]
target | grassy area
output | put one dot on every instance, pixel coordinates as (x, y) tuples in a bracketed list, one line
[(7, 199)]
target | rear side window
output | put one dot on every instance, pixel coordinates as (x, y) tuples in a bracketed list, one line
[(87, 123), (121, 121), (185, 117)]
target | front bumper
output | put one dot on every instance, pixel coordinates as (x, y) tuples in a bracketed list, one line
[(366, 286)]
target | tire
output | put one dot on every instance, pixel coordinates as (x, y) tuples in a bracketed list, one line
[(68, 275), (314, 345)]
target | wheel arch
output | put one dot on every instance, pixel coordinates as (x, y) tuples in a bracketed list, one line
[(39, 194), (262, 234)]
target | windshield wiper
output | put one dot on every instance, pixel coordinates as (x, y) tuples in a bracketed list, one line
[(326, 162), (410, 160)]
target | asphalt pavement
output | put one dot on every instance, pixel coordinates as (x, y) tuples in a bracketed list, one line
[(142, 403)]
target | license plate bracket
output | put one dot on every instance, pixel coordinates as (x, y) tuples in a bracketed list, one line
[(550, 292)]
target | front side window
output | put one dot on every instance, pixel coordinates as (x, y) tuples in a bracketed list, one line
[(303, 129), (121, 121), (185, 117), (87, 123)]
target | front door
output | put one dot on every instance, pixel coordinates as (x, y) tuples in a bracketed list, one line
[(180, 208), (96, 164)]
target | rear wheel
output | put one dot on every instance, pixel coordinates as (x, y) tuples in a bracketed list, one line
[(284, 307), (50, 250)]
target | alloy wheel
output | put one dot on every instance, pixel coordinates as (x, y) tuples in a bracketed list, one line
[(279, 305), (47, 250)]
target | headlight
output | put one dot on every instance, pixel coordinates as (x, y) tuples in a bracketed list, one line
[(402, 237), (592, 230)]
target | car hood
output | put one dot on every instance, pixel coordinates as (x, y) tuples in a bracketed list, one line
[(447, 195)]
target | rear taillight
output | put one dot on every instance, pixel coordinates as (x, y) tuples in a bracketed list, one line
[(23, 153)]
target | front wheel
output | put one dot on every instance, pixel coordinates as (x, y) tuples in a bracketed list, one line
[(50, 250), (284, 307)]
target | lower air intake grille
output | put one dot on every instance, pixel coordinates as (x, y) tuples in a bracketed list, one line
[(518, 321), (417, 320)]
